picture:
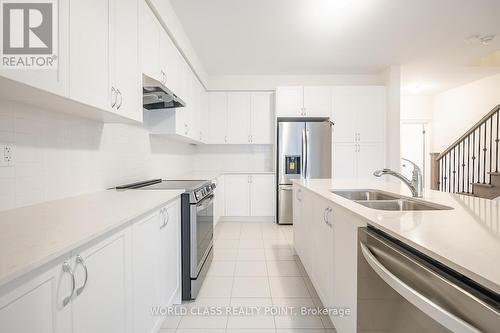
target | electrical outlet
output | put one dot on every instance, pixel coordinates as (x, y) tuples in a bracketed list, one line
[(6, 155)]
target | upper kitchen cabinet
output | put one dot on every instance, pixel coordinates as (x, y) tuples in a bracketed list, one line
[(104, 55), (125, 75), (262, 118), (308, 101), (52, 80), (216, 118), (359, 113), (150, 43), (238, 117), (89, 53)]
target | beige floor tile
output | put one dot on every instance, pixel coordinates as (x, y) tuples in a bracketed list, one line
[(284, 287), (280, 253), (171, 322), (225, 254), (168, 330), (254, 243), (251, 301), (251, 287), (251, 330), (200, 330), (300, 330), (251, 255), (215, 286), (283, 268), (201, 304), (307, 322), (250, 322), (251, 268), (227, 244), (222, 268), (203, 322), (310, 287)]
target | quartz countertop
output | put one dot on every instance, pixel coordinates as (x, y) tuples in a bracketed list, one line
[(34, 235), (466, 238)]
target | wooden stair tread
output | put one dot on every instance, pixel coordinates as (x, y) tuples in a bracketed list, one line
[(466, 193), (492, 173), (483, 185)]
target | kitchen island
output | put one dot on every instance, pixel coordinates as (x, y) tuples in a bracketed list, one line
[(465, 237)]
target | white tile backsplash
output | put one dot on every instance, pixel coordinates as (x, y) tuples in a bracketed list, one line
[(234, 158), (58, 155)]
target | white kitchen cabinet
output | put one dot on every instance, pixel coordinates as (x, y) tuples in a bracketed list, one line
[(262, 195), (219, 202), (323, 245), (238, 117), (89, 53), (169, 62), (357, 160), (290, 101), (150, 43), (217, 118), (359, 113), (237, 194), (304, 101), (37, 304), (249, 195), (146, 271), (262, 118), (317, 101), (303, 227), (101, 275), (169, 255), (53, 80), (299, 241), (124, 59)]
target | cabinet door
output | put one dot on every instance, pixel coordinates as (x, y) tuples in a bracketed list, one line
[(102, 304), (125, 73), (37, 305), (318, 101), (169, 62), (345, 108), (344, 161), (150, 42), (370, 157), (146, 284), (289, 101), (237, 194), (262, 195), (307, 227), (238, 117), (219, 203), (170, 257), (262, 121), (54, 81), (323, 259), (371, 106), (89, 53), (217, 117), (299, 241)]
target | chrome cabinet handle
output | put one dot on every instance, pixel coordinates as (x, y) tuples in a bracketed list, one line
[(225, 139), (163, 77), (326, 212), (81, 261), (299, 197), (67, 269), (118, 92), (166, 218), (113, 97)]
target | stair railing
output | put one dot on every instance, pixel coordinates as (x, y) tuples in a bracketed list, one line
[(471, 158)]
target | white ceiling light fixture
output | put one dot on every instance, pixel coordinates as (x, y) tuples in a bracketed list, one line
[(479, 39)]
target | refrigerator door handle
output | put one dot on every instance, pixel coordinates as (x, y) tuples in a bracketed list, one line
[(304, 153), (306, 171)]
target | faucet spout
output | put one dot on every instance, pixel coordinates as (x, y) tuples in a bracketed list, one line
[(415, 184)]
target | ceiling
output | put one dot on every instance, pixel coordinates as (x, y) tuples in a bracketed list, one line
[(310, 37)]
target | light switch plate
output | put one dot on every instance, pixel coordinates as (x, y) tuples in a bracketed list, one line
[(6, 155)]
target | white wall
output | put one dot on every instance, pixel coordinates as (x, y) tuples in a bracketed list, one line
[(391, 78), (270, 82), (457, 110), (417, 108), (239, 158), (58, 155)]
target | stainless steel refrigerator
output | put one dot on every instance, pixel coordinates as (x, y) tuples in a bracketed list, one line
[(304, 151)]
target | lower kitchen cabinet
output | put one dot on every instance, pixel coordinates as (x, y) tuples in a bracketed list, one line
[(100, 299), (249, 195), (37, 305), (109, 285)]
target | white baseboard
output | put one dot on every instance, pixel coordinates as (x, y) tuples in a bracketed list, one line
[(247, 219)]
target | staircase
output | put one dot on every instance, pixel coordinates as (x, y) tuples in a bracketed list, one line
[(470, 165)]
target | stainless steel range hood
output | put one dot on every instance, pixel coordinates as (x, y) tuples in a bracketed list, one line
[(155, 96)]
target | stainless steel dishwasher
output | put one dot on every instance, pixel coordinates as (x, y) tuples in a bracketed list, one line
[(402, 290)]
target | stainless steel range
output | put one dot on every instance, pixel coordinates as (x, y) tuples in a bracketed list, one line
[(197, 214)]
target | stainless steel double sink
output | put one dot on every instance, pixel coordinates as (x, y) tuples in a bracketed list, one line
[(380, 200)]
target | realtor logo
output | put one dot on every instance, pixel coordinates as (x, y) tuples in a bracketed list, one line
[(29, 34)]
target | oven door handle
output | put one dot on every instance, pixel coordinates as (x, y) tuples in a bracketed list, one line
[(435, 311), (205, 202)]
